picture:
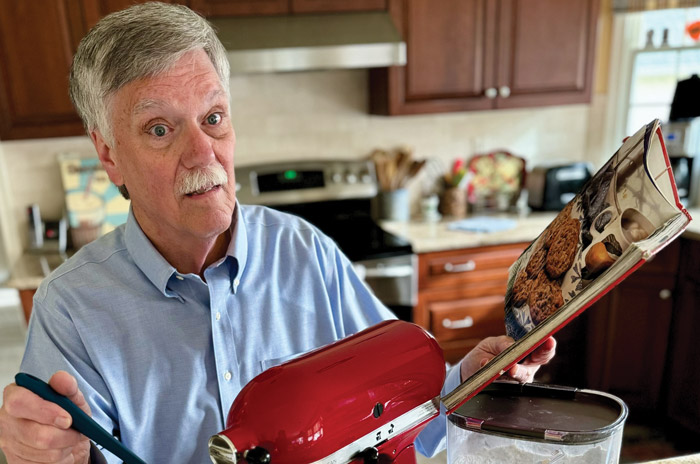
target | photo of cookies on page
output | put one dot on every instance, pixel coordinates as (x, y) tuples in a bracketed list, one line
[(617, 207)]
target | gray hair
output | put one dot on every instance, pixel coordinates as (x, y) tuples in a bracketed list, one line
[(138, 42)]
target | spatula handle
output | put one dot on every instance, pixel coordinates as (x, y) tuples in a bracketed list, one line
[(81, 421)]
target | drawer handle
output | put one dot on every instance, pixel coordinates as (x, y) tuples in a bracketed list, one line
[(466, 267), (665, 294), (460, 324)]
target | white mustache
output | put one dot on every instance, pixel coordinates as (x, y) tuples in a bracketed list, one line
[(205, 178)]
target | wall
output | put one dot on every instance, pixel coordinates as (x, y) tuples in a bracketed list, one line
[(315, 115)]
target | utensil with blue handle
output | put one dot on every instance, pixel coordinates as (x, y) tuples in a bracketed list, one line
[(81, 421)]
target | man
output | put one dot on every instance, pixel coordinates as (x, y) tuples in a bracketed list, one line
[(160, 323)]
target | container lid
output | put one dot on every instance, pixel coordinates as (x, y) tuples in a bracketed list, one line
[(542, 412)]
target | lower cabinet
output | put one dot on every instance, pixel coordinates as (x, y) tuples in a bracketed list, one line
[(683, 368), (461, 295), (629, 331), (26, 297)]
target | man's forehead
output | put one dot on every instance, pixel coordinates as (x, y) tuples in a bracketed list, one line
[(146, 104)]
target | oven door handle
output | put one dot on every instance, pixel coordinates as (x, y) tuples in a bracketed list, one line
[(388, 272)]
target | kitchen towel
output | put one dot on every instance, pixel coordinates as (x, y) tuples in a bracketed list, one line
[(483, 224)]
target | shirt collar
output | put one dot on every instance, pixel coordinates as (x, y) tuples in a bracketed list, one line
[(159, 271)]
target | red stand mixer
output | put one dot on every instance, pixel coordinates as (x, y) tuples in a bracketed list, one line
[(363, 399)]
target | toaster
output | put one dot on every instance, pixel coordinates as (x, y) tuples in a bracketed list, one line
[(550, 187)]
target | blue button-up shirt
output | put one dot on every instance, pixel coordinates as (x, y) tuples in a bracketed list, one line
[(160, 356)]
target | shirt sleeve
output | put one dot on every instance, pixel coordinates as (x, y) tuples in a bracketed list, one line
[(53, 344)]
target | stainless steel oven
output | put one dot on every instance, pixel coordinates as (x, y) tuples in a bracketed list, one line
[(336, 197)]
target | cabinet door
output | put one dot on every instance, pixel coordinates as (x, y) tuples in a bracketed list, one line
[(545, 52), (450, 58), (629, 333), (327, 6), (214, 8), (683, 375), (37, 42)]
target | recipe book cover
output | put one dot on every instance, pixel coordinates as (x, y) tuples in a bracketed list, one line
[(626, 213)]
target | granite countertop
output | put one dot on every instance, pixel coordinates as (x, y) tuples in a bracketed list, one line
[(427, 237), (31, 268)]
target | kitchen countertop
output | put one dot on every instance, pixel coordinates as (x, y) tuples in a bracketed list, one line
[(427, 237)]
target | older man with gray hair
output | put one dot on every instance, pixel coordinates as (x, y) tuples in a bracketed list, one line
[(155, 327)]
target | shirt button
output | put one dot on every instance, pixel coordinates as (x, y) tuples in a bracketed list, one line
[(227, 376), (236, 282), (179, 277), (218, 315)]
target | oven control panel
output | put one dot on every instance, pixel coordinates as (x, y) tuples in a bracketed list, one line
[(305, 182)]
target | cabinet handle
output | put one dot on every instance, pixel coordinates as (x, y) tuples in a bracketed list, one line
[(466, 267), (491, 93), (665, 294), (505, 91), (460, 324)]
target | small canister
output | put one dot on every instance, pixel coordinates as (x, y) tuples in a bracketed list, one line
[(535, 423)]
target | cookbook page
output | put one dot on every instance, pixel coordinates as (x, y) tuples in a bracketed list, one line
[(619, 206), (619, 219)]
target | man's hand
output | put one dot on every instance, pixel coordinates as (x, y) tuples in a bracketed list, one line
[(35, 430), (523, 372)]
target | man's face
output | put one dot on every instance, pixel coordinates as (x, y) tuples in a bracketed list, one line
[(173, 149)]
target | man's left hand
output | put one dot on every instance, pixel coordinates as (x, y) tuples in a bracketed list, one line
[(489, 347)]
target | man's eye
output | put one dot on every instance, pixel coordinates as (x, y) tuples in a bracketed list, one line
[(159, 130), (214, 119)]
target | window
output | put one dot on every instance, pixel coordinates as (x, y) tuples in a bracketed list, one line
[(664, 53)]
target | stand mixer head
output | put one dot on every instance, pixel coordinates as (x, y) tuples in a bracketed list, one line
[(362, 399)]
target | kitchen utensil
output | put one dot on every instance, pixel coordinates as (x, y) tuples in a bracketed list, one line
[(395, 169), (511, 422), (81, 421)]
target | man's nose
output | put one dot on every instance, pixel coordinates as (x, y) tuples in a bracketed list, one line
[(197, 147)]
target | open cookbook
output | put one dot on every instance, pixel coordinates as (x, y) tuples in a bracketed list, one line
[(623, 216)]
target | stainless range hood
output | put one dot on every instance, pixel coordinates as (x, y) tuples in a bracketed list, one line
[(310, 42)]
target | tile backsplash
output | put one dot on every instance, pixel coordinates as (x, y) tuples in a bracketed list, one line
[(313, 115)]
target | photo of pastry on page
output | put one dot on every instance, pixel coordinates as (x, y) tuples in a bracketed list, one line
[(625, 214)]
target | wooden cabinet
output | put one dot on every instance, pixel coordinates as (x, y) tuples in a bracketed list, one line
[(26, 297), (629, 331), (486, 54), (683, 374), (216, 8), (37, 43), (461, 295), (38, 40)]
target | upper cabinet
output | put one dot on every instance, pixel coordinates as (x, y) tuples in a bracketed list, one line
[(484, 54), (462, 54), (215, 8), (37, 42)]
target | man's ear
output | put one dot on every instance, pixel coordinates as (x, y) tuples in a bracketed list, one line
[(106, 155)]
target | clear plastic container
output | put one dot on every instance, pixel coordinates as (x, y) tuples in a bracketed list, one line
[(534, 423)]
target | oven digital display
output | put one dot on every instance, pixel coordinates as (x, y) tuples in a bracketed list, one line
[(291, 179)]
